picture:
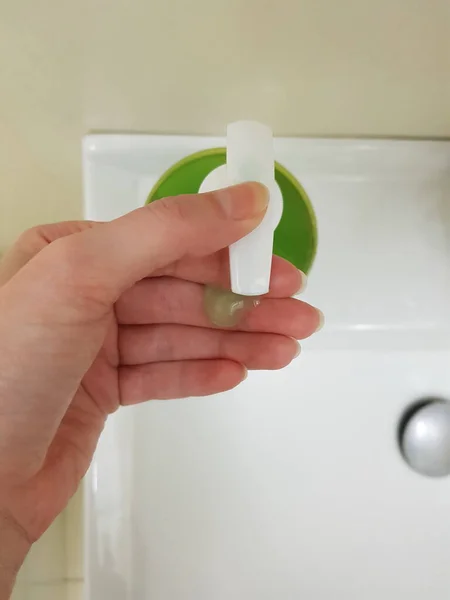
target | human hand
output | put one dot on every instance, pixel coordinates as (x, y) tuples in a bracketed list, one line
[(98, 315)]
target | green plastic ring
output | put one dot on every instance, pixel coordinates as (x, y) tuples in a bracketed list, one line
[(296, 235)]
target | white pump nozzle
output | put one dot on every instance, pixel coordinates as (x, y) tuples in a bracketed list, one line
[(250, 157)]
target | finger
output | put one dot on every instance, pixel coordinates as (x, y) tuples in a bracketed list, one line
[(285, 279), (167, 300), (102, 262), (140, 344), (167, 380), (33, 241)]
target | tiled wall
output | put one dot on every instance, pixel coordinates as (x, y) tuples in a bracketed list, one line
[(54, 568), (73, 530)]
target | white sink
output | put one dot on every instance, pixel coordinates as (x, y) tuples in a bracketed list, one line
[(293, 486)]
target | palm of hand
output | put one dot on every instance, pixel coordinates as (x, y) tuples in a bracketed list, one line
[(37, 501), (156, 343)]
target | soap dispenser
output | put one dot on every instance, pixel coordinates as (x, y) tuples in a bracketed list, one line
[(289, 226)]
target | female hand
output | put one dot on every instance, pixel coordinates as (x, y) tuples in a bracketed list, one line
[(98, 315)]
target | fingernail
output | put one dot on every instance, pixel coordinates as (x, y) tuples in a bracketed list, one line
[(303, 284), (299, 349), (245, 374), (321, 320), (243, 201)]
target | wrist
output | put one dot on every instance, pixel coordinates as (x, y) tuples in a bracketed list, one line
[(14, 546)]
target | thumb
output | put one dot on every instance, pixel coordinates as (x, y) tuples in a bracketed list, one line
[(114, 255), (195, 225)]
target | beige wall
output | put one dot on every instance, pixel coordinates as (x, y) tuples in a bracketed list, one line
[(346, 67), (320, 67)]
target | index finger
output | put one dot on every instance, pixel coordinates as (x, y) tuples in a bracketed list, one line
[(286, 280)]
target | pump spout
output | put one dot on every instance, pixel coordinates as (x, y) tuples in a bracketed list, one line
[(250, 157)]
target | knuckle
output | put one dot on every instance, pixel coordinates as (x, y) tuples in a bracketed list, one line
[(170, 210), (66, 256), (29, 239), (73, 275)]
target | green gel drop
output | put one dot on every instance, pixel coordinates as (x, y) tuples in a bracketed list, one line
[(225, 308)]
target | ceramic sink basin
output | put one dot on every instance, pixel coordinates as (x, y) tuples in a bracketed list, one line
[(292, 486)]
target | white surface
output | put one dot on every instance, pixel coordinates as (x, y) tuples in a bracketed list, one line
[(250, 157), (292, 486)]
